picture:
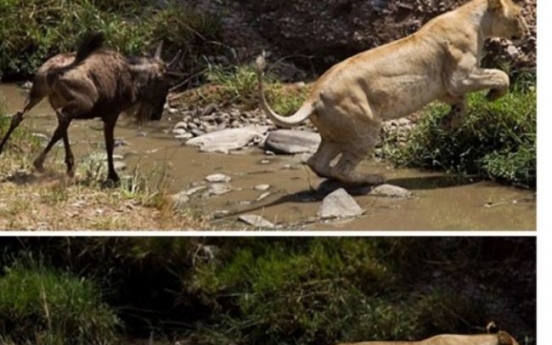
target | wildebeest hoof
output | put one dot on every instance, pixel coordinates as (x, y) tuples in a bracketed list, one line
[(109, 183), (39, 167)]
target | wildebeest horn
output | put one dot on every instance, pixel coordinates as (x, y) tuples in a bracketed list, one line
[(158, 51), (175, 60)]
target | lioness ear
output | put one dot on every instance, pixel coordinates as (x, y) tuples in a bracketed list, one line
[(492, 328), (504, 338)]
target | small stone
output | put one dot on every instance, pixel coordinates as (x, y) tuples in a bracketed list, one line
[(387, 190), (141, 134), (177, 131), (194, 190), (120, 142), (119, 165), (220, 214), (184, 136), (219, 189), (339, 204), (265, 161), (262, 196), (179, 199), (218, 178), (197, 132), (262, 187), (256, 221), (512, 51), (209, 109)]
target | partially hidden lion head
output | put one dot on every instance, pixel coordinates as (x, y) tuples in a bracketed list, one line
[(504, 338), (507, 21)]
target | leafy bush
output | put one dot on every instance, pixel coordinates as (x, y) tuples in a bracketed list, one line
[(495, 139), (47, 27), (42, 306), (325, 291)]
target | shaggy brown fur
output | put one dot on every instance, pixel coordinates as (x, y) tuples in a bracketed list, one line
[(96, 82)]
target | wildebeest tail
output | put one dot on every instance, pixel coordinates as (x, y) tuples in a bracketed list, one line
[(91, 42)]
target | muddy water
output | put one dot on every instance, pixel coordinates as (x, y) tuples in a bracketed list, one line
[(440, 202)]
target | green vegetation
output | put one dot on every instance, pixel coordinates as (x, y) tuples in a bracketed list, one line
[(496, 140), (292, 290), (47, 27), (237, 85), (42, 306)]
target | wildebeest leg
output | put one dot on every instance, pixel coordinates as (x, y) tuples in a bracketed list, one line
[(69, 158), (60, 132), (17, 118), (109, 127)]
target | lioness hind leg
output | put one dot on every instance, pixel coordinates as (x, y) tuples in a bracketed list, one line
[(457, 111), (320, 161), (345, 171)]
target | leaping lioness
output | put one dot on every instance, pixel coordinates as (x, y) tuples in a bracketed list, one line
[(440, 61)]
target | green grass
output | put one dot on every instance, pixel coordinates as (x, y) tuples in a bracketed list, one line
[(496, 140), (47, 27), (43, 306), (325, 291), (237, 85)]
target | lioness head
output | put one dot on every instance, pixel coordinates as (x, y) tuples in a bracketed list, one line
[(507, 21), (504, 338)]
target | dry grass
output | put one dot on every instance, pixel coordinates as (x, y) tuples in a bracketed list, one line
[(51, 201)]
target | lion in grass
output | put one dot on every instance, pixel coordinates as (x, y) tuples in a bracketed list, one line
[(493, 337), (441, 61)]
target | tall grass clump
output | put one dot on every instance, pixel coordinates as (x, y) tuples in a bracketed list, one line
[(44, 306), (496, 140), (238, 85), (33, 30)]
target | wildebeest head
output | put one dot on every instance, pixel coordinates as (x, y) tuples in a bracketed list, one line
[(153, 83)]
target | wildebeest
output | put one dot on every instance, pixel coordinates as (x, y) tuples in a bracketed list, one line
[(96, 82)]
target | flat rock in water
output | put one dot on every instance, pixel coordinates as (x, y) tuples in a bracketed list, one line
[(217, 178), (228, 139), (389, 190), (292, 141), (339, 204), (256, 221)]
